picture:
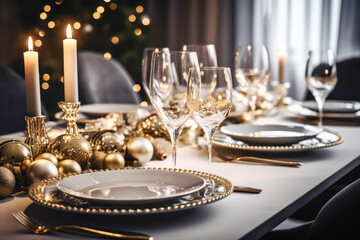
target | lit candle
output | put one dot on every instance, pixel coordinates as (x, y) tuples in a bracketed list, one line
[(282, 58), (70, 68), (31, 62)]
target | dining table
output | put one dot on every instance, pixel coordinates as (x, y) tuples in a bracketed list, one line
[(239, 215)]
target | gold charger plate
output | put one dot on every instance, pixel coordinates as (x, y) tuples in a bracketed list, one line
[(322, 140), (45, 193)]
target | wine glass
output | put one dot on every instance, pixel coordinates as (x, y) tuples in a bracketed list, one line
[(168, 89), (146, 65), (321, 77), (252, 71), (206, 54), (209, 99)]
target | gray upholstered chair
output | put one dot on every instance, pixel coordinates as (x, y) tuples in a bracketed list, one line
[(104, 81)]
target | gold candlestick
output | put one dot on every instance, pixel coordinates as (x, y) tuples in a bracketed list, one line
[(71, 145), (36, 138)]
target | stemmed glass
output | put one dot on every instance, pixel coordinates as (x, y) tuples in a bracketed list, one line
[(252, 70), (146, 66), (168, 90), (209, 99), (206, 54), (321, 77)]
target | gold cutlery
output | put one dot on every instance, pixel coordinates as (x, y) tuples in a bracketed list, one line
[(260, 160), (246, 189), (39, 229)]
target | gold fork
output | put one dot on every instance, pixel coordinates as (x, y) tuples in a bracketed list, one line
[(259, 160), (39, 229)]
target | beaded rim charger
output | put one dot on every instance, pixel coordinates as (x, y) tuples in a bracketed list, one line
[(37, 192)]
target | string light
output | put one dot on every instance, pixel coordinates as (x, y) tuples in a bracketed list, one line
[(100, 9), (107, 55), (46, 77), (47, 8), (58, 2), (132, 18), (136, 88), (139, 9), (38, 43), (41, 33), (62, 79), (115, 40), (144, 104), (145, 21), (45, 86), (137, 31), (51, 24), (113, 6), (107, 1), (96, 15), (43, 16), (77, 25)]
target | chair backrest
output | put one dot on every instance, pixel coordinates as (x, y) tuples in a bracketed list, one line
[(338, 218), (348, 85), (104, 81), (12, 101)]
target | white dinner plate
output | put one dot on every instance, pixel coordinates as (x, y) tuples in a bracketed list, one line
[(102, 109), (322, 140), (131, 186), (270, 134), (334, 106)]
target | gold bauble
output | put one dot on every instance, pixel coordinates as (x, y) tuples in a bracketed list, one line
[(161, 147), (141, 149), (68, 166), (41, 169), (48, 156), (105, 142), (71, 146), (114, 161), (14, 151), (108, 141), (7, 182), (152, 126)]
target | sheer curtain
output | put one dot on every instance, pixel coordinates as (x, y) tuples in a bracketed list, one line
[(296, 25)]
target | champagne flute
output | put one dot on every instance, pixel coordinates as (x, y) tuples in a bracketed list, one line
[(168, 90), (206, 54), (146, 65), (209, 99), (321, 77), (252, 71)]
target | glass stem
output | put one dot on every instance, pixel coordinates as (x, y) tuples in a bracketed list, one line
[(320, 102), (253, 108), (174, 136), (209, 134)]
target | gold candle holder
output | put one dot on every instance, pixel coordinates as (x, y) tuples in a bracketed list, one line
[(71, 145), (36, 138)]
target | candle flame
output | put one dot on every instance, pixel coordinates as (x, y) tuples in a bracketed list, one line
[(68, 31), (30, 44)]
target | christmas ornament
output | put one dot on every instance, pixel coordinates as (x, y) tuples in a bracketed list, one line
[(104, 142), (161, 147), (41, 169), (152, 126), (48, 156), (140, 149), (15, 156), (67, 166), (71, 147), (14, 152), (133, 117), (7, 182), (114, 161)]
